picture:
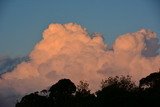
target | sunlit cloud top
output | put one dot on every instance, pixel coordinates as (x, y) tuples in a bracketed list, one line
[(23, 21)]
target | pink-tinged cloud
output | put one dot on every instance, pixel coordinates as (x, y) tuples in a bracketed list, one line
[(68, 51)]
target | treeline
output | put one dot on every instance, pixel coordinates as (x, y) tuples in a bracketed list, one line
[(114, 91)]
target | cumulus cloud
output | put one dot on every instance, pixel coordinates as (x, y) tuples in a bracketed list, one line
[(68, 51)]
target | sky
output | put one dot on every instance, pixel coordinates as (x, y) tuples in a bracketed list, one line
[(31, 62), (23, 21)]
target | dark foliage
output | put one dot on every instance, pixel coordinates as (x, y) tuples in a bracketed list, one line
[(149, 87), (115, 91), (61, 93), (33, 100), (83, 96), (151, 81), (64, 87)]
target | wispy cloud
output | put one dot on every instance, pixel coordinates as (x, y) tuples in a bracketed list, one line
[(8, 64)]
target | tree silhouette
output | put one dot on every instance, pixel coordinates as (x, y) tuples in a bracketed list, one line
[(83, 87), (61, 93), (83, 96), (60, 96), (32, 100), (150, 89), (151, 81), (116, 91), (122, 82), (62, 87)]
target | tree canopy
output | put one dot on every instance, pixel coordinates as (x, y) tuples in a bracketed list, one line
[(115, 91)]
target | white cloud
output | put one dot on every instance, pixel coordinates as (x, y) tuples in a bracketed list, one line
[(68, 51)]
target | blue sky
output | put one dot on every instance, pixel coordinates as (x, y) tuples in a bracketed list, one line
[(23, 21)]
